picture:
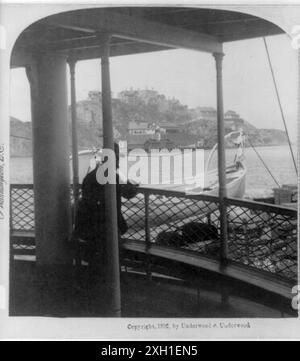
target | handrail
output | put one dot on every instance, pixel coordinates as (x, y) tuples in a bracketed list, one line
[(260, 206), (260, 278), (274, 208), (251, 246), (174, 193), (21, 185)]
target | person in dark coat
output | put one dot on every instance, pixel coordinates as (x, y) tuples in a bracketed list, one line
[(90, 220)]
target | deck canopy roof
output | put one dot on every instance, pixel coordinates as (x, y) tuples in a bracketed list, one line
[(137, 30)]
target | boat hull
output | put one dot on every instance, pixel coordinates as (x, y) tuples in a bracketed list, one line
[(169, 209)]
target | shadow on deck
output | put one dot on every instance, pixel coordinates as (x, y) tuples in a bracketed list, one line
[(42, 293)]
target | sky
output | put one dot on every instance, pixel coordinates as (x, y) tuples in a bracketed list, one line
[(190, 77)]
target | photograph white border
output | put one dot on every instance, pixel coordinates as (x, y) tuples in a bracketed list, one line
[(14, 18)]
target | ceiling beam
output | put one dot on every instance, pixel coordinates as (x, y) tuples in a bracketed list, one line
[(120, 50), (237, 29), (70, 44), (134, 28), (22, 57)]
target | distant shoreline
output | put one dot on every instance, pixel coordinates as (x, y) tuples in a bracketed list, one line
[(256, 146)]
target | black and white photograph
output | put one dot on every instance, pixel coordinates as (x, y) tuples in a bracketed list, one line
[(149, 169)]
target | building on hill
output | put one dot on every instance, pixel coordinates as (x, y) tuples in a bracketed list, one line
[(146, 135), (135, 141), (207, 113), (163, 143), (89, 111), (95, 96), (231, 117), (232, 121), (169, 128), (87, 114), (231, 114), (145, 96), (151, 136), (141, 128)]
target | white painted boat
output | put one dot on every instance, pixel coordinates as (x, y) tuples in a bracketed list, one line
[(207, 182), (165, 207)]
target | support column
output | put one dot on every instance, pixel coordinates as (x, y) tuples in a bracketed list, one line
[(51, 173), (112, 272), (221, 160), (75, 162)]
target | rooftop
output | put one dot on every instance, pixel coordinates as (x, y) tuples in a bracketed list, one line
[(138, 125), (137, 139), (207, 109), (169, 125)]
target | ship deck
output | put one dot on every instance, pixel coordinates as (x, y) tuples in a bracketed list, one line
[(163, 255), (140, 297)]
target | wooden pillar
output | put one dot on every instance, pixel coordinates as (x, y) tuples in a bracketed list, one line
[(51, 174), (75, 162), (221, 160), (112, 273)]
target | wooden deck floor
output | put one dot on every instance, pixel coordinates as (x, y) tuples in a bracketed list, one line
[(35, 294)]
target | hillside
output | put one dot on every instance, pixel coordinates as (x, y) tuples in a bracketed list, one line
[(142, 106), (207, 129), (20, 143)]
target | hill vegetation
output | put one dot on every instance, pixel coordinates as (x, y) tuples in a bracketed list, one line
[(141, 106)]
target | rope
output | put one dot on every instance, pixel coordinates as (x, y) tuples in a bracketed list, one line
[(279, 102), (259, 156)]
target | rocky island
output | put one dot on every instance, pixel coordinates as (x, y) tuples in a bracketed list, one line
[(138, 114)]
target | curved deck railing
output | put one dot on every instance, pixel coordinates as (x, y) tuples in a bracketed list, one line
[(262, 238)]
